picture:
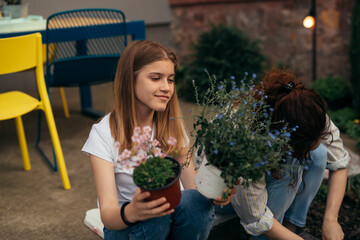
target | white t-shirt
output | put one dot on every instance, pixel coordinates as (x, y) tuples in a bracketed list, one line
[(100, 143)]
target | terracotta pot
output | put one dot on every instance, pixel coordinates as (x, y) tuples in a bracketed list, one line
[(171, 191), (208, 180)]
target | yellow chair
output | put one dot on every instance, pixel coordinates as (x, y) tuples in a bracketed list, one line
[(19, 54)]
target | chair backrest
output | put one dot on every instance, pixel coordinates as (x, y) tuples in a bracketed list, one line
[(89, 43), (23, 53)]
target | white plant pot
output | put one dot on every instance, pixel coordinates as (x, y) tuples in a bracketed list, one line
[(208, 180)]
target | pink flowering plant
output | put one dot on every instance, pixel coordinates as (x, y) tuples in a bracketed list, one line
[(150, 166)]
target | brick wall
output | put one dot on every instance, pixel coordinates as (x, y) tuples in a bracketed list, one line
[(278, 25)]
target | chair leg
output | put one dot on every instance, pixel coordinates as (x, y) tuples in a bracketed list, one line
[(22, 142), (57, 147), (64, 102)]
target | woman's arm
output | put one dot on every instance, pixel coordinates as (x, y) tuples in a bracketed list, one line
[(279, 232), (331, 229), (137, 210)]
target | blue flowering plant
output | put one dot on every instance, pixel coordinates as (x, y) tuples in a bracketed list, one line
[(233, 129)]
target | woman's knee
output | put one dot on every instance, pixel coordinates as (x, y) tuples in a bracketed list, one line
[(319, 158)]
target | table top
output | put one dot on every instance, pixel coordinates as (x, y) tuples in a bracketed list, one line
[(35, 23), (30, 23)]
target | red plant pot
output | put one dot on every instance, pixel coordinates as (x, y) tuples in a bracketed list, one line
[(170, 191)]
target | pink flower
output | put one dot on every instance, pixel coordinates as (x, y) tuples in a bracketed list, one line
[(144, 138), (116, 145), (157, 152), (147, 129), (140, 157), (135, 138), (126, 154), (155, 143), (171, 141), (144, 147), (137, 130)]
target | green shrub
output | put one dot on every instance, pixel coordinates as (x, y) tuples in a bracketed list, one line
[(353, 188), (353, 129), (334, 90), (321, 194), (342, 116), (225, 51)]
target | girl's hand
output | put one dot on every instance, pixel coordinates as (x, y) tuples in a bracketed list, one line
[(140, 210), (220, 200), (331, 230)]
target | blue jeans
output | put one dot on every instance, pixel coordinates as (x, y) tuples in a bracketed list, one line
[(192, 219), (292, 202)]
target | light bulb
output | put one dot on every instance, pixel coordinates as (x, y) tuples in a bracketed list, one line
[(309, 22)]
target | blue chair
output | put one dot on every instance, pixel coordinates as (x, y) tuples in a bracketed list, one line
[(83, 47)]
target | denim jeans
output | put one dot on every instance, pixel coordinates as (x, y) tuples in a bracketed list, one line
[(191, 220), (292, 202)]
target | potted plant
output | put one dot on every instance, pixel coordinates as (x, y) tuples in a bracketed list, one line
[(17, 8), (235, 138), (153, 171)]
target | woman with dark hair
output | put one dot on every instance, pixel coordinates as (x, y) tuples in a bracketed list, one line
[(285, 195)]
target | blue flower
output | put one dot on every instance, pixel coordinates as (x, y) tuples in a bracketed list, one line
[(245, 102), (232, 77), (212, 142), (257, 165), (220, 87), (254, 105), (216, 151), (246, 73), (306, 167), (265, 157), (205, 70), (220, 116), (240, 114), (271, 135), (231, 143), (269, 143), (254, 75), (263, 163), (286, 134)]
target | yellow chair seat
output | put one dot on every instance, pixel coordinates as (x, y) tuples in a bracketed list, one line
[(15, 103)]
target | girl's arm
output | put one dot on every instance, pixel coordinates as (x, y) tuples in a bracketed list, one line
[(331, 229), (188, 173), (137, 210)]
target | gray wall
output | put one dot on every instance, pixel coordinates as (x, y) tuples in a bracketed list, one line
[(152, 11)]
